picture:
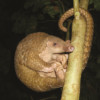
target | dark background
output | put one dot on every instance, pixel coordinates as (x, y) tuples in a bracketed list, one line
[(21, 17)]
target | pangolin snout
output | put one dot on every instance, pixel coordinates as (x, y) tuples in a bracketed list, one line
[(68, 48)]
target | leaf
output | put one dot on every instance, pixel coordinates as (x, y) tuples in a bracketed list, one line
[(97, 4), (46, 2), (28, 4), (52, 11), (91, 1), (24, 23)]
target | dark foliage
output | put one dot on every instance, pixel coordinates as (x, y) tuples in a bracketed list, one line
[(21, 17)]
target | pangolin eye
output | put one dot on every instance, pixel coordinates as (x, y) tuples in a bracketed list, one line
[(54, 44)]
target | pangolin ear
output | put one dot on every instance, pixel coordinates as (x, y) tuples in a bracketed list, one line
[(67, 41)]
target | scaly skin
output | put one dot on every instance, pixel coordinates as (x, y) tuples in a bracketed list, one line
[(89, 30), (38, 63)]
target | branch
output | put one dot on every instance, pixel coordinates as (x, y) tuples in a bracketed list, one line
[(84, 4), (71, 89)]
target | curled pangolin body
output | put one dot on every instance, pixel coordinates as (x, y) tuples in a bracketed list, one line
[(89, 30)]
